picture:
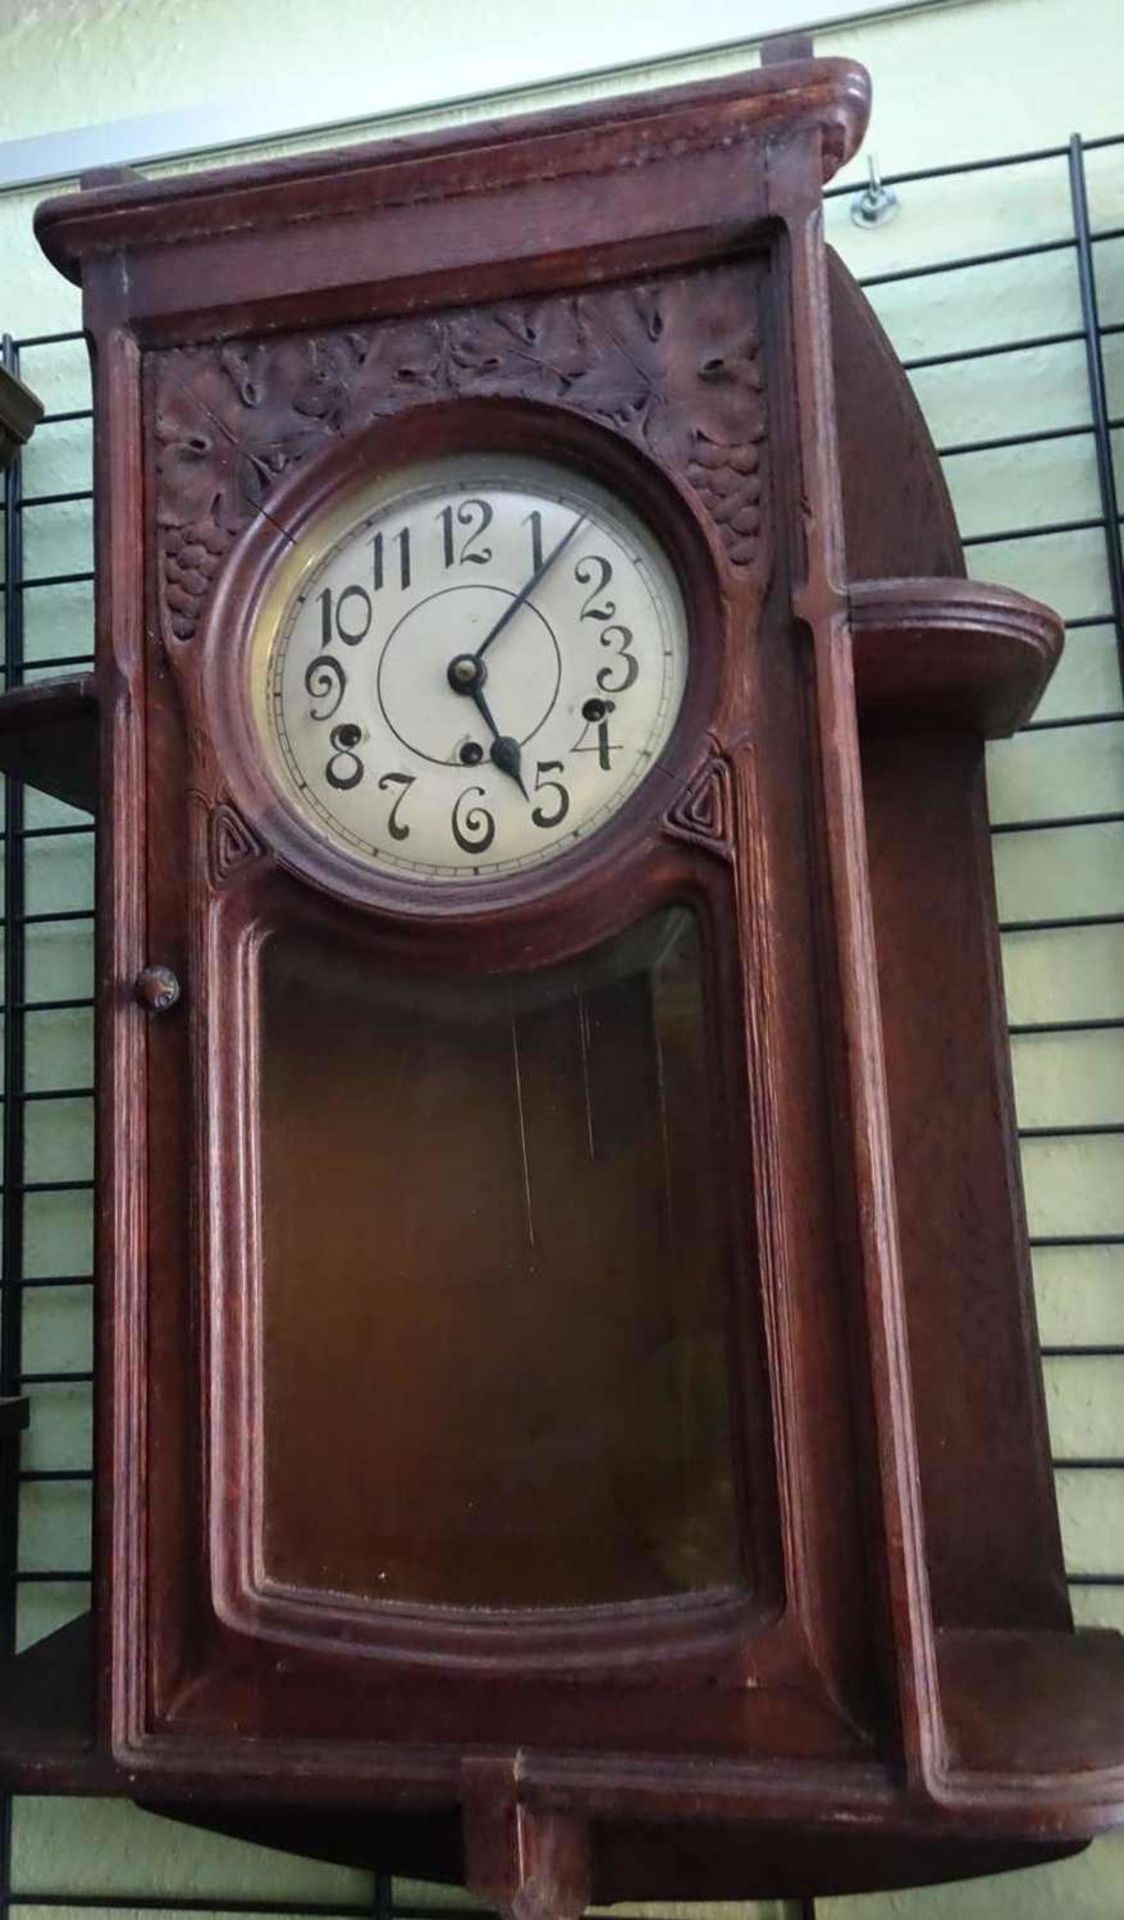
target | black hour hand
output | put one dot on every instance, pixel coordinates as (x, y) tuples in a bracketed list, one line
[(507, 757)]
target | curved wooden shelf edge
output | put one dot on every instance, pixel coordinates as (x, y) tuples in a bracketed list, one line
[(1035, 1725), (49, 738), (951, 652), (47, 1740), (13, 1415)]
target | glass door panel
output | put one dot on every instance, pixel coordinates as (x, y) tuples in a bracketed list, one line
[(495, 1292)]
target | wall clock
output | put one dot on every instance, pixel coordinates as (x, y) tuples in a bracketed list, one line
[(561, 1251)]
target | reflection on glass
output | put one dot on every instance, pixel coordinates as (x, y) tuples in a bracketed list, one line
[(494, 1299)]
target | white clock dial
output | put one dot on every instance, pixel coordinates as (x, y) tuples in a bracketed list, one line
[(469, 666)]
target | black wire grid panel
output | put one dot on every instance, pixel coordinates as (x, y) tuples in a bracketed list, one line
[(28, 836)]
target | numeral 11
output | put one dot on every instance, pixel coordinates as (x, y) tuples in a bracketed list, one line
[(402, 542)]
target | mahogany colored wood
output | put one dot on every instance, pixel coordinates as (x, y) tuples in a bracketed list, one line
[(1059, 1700), (47, 1741), (950, 654), (519, 1858), (909, 529), (48, 737), (717, 1860), (982, 1440), (640, 288)]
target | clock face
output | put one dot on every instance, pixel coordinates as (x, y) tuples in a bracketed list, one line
[(467, 667)]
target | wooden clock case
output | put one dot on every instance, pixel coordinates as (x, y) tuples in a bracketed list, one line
[(895, 1692)]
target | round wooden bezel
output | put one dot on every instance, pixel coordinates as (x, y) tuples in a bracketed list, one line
[(630, 838)]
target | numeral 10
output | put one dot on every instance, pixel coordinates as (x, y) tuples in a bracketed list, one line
[(346, 615)]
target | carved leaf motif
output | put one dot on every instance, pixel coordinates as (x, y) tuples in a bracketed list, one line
[(704, 815), (515, 349), (687, 369), (393, 366), (620, 375), (201, 468), (672, 363)]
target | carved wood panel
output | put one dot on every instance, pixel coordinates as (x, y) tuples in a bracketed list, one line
[(673, 363)]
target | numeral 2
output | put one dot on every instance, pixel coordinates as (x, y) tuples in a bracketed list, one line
[(584, 576)]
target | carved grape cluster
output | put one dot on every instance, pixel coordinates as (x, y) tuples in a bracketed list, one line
[(191, 557), (728, 480)]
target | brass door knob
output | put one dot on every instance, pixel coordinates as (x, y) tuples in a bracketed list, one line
[(156, 988)]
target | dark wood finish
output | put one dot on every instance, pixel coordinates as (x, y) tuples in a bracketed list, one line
[(909, 529), (48, 737), (716, 1860), (14, 1415), (642, 290), (981, 1424), (157, 989), (519, 1858), (46, 1716), (950, 654), (1036, 1707), (20, 414), (292, 243)]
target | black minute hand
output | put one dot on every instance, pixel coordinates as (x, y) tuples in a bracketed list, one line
[(525, 593)]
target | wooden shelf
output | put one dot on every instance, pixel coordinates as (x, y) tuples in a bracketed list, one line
[(1027, 1716), (46, 1717), (950, 652), (49, 738), (1036, 1714), (13, 1416), (20, 414)]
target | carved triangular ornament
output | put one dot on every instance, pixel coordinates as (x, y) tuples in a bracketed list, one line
[(231, 844), (704, 813)]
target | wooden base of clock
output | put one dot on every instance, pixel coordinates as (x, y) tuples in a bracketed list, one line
[(896, 1693)]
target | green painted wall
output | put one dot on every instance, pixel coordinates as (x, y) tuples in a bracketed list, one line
[(951, 84)]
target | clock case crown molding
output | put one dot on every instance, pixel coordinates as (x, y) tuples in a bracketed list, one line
[(900, 1707)]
